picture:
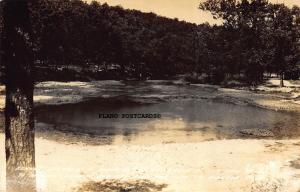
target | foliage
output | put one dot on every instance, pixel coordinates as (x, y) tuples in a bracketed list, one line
[(264, 36), (101, 42)]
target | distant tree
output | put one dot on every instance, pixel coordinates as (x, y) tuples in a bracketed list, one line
[(284, 39)]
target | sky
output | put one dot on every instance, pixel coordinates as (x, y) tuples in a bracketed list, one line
[(182, 9)]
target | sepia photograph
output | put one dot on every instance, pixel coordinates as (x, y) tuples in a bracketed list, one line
[(150, 95)]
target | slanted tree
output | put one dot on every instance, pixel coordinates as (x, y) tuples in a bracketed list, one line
[(19, 116)]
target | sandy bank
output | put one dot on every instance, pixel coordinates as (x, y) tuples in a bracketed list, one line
[(55, 93), (214, 166), (268, 95)]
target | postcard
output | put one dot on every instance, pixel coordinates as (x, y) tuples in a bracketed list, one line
[(150, 96)]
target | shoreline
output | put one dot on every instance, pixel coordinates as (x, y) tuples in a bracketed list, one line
[(268, 96)]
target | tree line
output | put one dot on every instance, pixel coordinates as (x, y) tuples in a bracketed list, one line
[(80, 41), (99, 41), (259, 37)]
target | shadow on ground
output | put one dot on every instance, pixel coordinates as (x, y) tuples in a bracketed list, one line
[(121, 186)]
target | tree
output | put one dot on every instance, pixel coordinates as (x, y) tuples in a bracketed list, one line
[(19, 116), (284, 39)]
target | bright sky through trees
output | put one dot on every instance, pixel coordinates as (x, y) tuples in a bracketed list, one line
[(182, 9)]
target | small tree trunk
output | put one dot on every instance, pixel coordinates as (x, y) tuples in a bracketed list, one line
[(281, 79), (19, 118)]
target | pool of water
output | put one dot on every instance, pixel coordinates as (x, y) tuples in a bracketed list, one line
[(188, 114)]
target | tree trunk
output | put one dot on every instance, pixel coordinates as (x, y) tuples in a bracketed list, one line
[(281, 79), (19, 117)]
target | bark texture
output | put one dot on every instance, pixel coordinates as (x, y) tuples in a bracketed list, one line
[(19, 116)]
